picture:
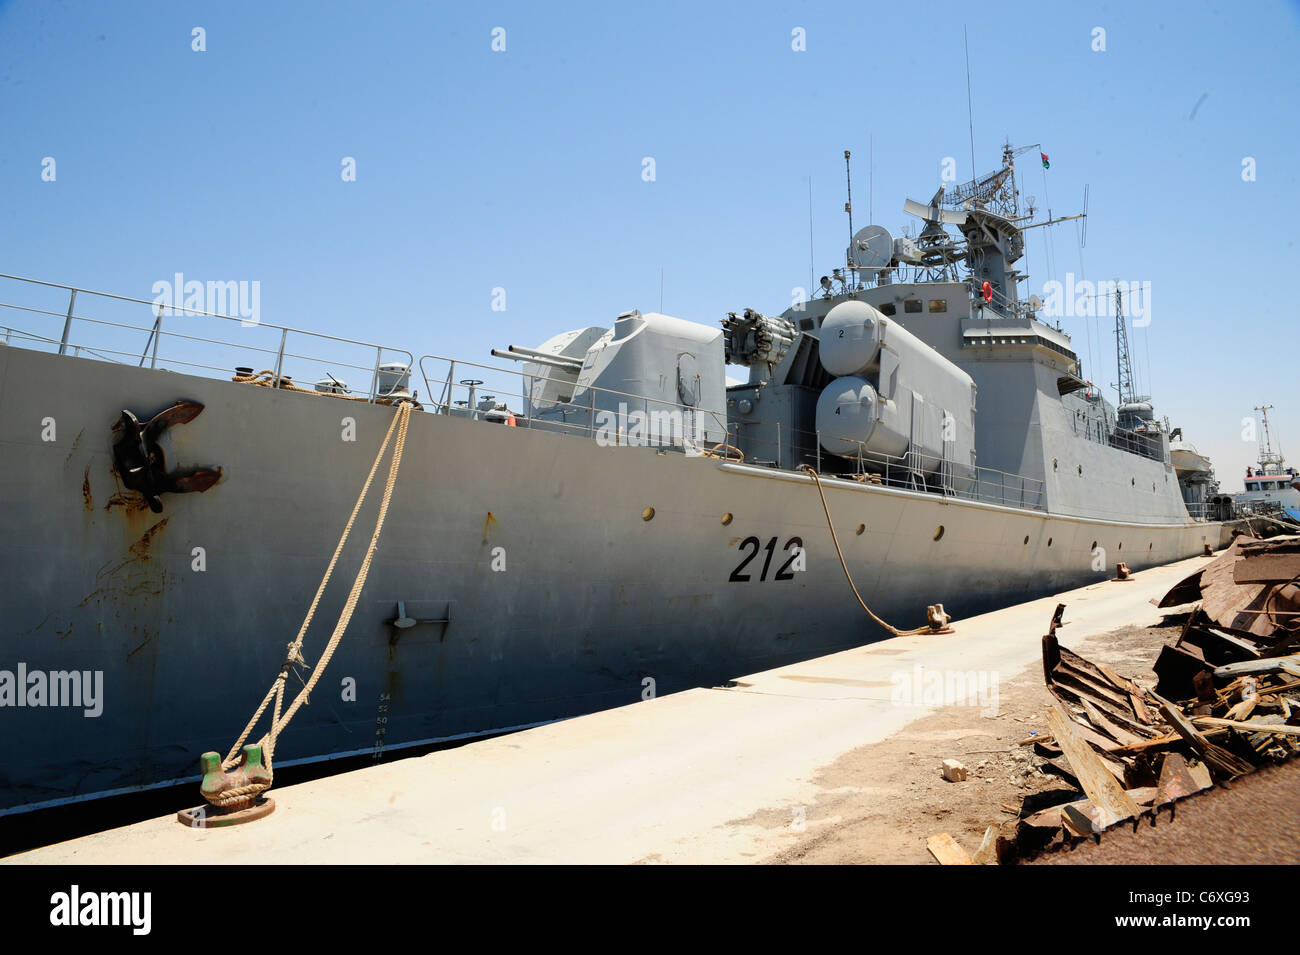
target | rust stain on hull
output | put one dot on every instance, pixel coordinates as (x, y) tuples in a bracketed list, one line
[(85, 490), (140, 549), (137, 583), (144, 643), (130, 502), (73, 450)]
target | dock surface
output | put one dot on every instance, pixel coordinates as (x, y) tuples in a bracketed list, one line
[(675, 779)]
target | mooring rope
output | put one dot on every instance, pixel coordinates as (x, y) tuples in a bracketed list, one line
[(294, 655), (845, 567), (268, 379)]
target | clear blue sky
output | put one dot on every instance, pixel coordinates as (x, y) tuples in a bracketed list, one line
[(522, 169)]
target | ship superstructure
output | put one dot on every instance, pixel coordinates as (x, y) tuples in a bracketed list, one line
[(915, 336)]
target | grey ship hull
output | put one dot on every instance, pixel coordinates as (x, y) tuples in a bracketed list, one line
[(593, 599)]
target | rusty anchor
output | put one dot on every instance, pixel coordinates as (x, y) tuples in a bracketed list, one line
[(142, 464), (233, 797)]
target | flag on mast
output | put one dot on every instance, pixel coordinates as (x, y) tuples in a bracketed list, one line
[(1046, 164)]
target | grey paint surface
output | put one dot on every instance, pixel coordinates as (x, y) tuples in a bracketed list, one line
[(593, 601)]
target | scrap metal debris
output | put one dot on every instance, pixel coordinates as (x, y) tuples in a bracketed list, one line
[(1227, 703)]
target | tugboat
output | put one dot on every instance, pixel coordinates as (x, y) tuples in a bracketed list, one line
[(1272, 488)]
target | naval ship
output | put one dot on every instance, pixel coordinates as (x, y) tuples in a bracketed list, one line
[(579, 525)]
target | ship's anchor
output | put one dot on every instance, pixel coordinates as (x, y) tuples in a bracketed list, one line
[(141, 462)]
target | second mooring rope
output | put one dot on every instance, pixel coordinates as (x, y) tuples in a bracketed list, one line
[(294, 655), (845, 567)]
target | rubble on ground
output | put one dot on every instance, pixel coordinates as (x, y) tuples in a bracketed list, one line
[(1227, 702)]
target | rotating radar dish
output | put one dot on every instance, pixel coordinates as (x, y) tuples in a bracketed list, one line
[(872, 249)]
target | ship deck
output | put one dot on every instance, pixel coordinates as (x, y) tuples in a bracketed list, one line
[(696, 776)]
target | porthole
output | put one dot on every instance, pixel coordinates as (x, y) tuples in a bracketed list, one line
[(1049, 542), (1121, 546), (1081, 469), (938, 533), (861, 529), (1026, 538), (1094, 546), (726, 518), (648, 514)]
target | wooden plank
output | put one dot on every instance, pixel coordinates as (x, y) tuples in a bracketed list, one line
[(1094, 684), (945, 850), (1282, 729), (1173, 739), (1102, 789), (1119, 714), (1184, 728), (1289, 664), (1140, 709), (1122, 684), (1243, 709), (1099, 740), (1227, 763), (1110, 727)]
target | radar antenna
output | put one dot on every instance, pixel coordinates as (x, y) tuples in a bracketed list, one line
[(848, 206), (1267, 456), (1125, 366)]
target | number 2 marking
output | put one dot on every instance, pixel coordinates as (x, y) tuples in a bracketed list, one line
[(736, 574)]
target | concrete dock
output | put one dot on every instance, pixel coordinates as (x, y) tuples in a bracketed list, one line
[(675, 779)]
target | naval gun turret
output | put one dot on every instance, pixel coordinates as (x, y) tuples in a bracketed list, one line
[(651, 379)]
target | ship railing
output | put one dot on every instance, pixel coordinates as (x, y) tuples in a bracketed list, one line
[(58, 319), (483, 392), (475, 390), (788, 448), (1274, 509), (1145, 445)]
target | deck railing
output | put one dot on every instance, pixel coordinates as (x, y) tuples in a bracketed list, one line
[(69, 320), (58, 318), (471, 389)]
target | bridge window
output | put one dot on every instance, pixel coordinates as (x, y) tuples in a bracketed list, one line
[(888, 309), (938, 305), (911, 305)]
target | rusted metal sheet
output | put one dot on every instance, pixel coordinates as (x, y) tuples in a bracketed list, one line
[(1267, 567)]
